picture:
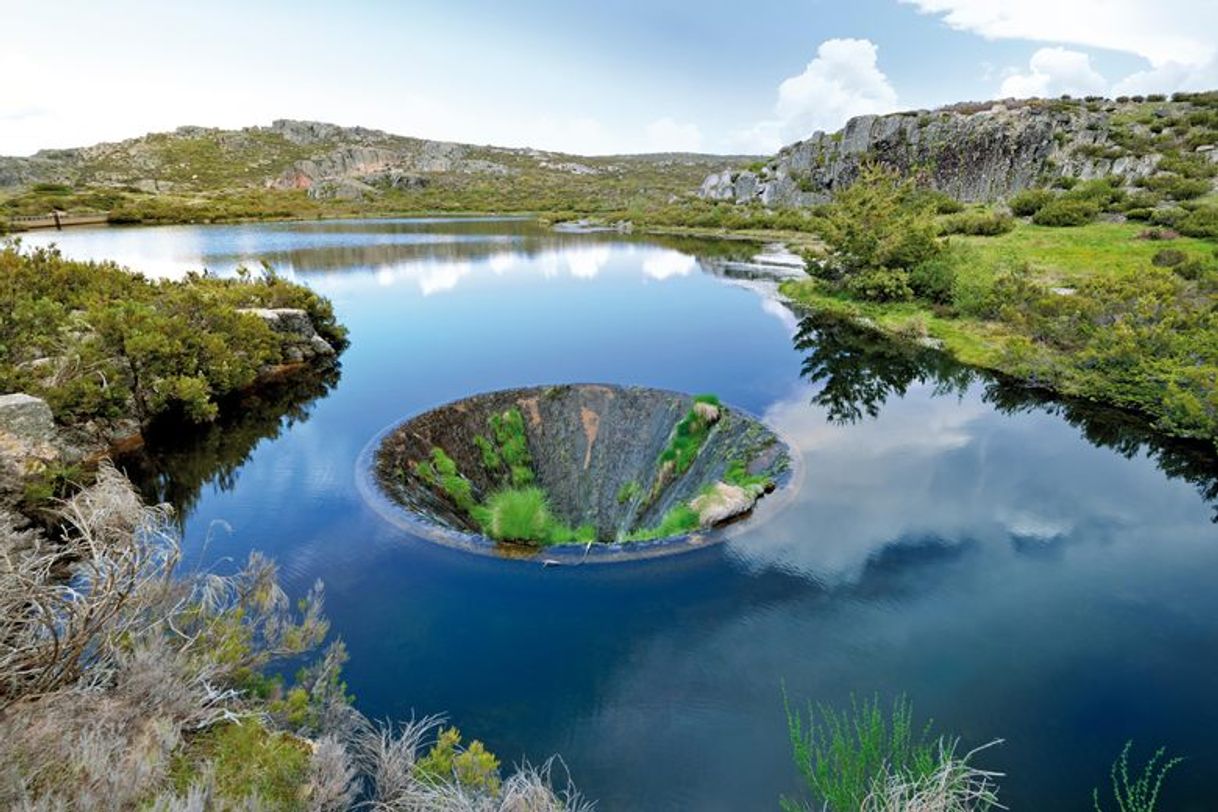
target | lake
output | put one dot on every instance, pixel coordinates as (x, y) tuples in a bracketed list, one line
[(1025, 569)]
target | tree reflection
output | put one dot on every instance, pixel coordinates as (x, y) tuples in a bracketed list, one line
[(860, 369), (176, 462)]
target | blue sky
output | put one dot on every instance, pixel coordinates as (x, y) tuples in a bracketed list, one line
[(626, 76)]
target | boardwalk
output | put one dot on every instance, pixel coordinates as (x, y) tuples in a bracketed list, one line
[(57, 219)]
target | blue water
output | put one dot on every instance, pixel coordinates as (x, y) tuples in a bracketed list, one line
[(1037, 572)]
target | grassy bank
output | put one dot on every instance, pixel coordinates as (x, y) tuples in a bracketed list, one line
[(1083, 312)]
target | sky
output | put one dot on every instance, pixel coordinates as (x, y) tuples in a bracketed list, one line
[(604, 77)]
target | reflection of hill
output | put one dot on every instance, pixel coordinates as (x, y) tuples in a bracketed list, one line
[(175, 464), (342, 245), (860, 369)]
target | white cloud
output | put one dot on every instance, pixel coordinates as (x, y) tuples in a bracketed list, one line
[(844, 80), (664, 264), (1161, 31), (442, 276), (1175, 36), (1054, 71), (586, 263), (668, 135)]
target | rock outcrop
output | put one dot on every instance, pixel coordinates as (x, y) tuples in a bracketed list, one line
[(304, 344), (28, 442), (972, 152)]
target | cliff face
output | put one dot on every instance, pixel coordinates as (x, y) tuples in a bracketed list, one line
[(971, 152)]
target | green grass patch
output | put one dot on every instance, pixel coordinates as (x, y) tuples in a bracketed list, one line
[(524, 515), (678, 521), (688, 437), (628, 491), (248, 759), (737, 474), (1064, 256)]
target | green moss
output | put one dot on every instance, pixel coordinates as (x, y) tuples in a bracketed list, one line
[(628, 491), (687, 438), (491, 460), (247, 759), (737, 474), (678, 521)]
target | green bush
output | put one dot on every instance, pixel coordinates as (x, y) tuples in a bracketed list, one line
[(1105, 193), (140, 348), (1064, 213), (935, 279), (1202, 223), (447, 762), (941, 203), (977, 223), (1194, 269), (1030, 201), (880, 285), (1170, 217), (1176, 187), (1168, 258)]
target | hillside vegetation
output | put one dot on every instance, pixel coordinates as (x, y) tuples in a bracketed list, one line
[(310, 169)]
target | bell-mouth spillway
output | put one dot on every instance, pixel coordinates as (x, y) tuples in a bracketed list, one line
[(576, 472)]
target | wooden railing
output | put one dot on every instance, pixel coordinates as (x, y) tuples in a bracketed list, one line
[(58, 220)]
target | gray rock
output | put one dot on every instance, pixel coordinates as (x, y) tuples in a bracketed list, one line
[(28, 441), (27, 418), (304, 344), (723, 502), (974, 155)]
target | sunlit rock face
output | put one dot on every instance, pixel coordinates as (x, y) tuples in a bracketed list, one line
[(598, 453)]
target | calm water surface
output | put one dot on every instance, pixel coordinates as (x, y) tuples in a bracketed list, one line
[(1042, 573)]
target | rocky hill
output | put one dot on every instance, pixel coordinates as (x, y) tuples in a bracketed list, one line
[(330, 161), (982, 152)]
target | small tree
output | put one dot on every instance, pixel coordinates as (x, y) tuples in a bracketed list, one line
[(880, 224)]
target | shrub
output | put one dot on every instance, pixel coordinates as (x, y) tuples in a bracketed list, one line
[(1169, 217), (977, 223), (935, 279), (687, 437), (1176, 187), (941, 203), (447, 762), (1103, 192), (1065, 213), (1202, 223), (628, 491), (1139, 214), (139, 349), (880, 285), (1030, 201), (1194, 268), (1168, 258)]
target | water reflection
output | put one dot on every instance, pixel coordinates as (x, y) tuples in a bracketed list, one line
[(177, 463), (857, 371)]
